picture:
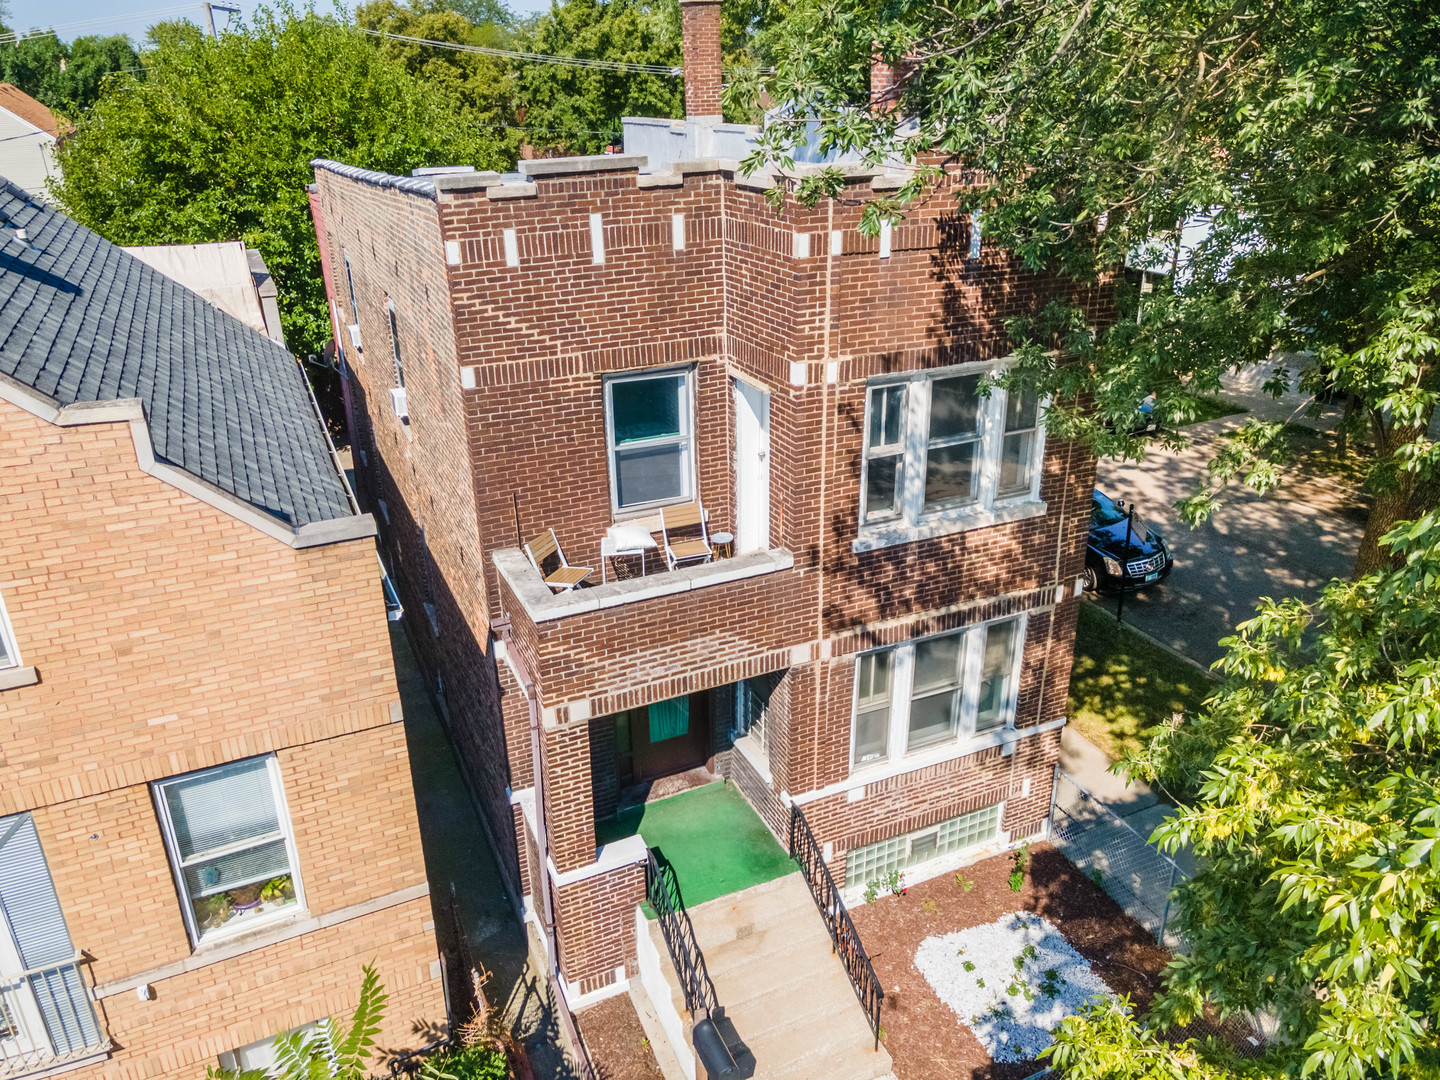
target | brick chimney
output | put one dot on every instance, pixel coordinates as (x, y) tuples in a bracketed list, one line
[(700, 20)]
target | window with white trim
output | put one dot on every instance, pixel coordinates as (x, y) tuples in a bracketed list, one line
[(935, 692), (9, 653), (228, 835), (936, 449), (649, 438)]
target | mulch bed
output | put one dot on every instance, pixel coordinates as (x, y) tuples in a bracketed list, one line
[(616, 1041), (925, 1038)]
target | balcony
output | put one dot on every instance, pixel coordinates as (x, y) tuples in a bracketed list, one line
[(47, 1023), (681, 631)]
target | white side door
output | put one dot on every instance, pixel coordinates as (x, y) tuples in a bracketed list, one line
[(22, 1028), (752, 468)]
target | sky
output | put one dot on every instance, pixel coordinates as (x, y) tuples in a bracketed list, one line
[(134, 17)]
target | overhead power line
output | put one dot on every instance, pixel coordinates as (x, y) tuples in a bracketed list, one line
[(104, 20), (534, 58)]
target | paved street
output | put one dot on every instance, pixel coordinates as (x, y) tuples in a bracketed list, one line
[(1287, 544)]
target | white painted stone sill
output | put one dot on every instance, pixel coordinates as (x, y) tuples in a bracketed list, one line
[(13, 677), (755, 754), (541, 605), (944, 523)]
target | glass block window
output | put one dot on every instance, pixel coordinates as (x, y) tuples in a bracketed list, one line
[(875, 862)]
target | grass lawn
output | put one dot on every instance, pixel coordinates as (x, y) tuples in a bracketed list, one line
[(716, 843), (1211, 407), (1122, 686)]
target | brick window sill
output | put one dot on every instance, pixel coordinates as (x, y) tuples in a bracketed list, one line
[(875, 537), (10, 678)]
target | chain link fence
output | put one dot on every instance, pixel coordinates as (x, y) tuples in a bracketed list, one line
[(1108, 848), (1141, 879)]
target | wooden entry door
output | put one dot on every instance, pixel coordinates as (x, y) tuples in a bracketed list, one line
[(662, 739)]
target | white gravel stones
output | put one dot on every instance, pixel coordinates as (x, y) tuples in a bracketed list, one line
[(1011, 1010)]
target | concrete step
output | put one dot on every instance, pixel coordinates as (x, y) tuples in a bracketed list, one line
[(782, 990)]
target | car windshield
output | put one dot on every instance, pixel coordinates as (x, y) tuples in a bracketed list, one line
[(1104, 512)]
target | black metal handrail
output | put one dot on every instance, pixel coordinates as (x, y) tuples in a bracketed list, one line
[(663, 893), (844, 939)]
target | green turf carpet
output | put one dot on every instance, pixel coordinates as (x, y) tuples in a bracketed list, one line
[(716, 843)]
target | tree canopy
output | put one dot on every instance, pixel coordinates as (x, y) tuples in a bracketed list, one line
[(213, 141), (1317, 828), (1303, 131), (66, 78)]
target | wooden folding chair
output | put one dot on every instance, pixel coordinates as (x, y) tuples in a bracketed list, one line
[(688, 518), (565, 576)]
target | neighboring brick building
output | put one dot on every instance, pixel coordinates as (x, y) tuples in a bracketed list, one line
[(577, 347), (207, 824)]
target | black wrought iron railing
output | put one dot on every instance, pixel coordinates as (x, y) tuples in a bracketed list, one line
[(843, 938), (663, 893)]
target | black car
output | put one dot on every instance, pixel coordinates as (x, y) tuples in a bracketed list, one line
[(1122, 552)]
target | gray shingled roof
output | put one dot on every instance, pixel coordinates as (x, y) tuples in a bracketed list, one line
[(83, 321)]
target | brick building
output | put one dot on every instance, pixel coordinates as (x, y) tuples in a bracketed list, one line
[(207, 823), (886, 639)]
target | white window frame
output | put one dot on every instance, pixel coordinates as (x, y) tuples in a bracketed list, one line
[(964, 737), (917, 522), (172, 848), (686, 439), (11, 659)]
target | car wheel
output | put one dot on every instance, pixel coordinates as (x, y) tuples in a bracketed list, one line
[(1092, 580)]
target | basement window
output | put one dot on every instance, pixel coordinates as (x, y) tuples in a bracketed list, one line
[(649, 426), (876, 862), (940, 456)]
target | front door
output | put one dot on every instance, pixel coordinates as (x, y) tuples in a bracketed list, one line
[(22, 1028), (662, 739), (752, 468)]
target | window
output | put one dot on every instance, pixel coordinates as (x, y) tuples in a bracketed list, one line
[(9, 654), (752, 707), (649, 421), (395, 345), (260, 1055), (230, 846), (938, 451), (935, 692), (877, 861), (350, 284)]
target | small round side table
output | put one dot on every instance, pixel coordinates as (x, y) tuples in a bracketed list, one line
[(724, 544)]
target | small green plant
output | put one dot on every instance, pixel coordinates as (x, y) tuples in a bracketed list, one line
[(895, 882), (969, 965), (1013, 989), (980, 983), (872, 890), (1097, 876), (1052, 983), (1020, 862), (965, 883), (927, 906)]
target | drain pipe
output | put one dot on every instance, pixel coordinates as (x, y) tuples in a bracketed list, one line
[(542, 836)]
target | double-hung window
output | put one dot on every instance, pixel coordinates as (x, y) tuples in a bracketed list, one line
[(935, 692), (649, 426), (941, 455), (228, 835)]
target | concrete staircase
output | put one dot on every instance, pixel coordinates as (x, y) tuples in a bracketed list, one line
[(785, 995)]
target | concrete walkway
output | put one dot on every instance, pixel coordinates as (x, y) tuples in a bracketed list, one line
[(786, 998), (457, 850)]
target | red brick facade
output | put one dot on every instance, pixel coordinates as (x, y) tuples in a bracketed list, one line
[(513, 333)]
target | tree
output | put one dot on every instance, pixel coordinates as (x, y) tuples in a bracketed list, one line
[(66, 78), (481, 86), (1088, 133), (214, 142), (1317, 827)]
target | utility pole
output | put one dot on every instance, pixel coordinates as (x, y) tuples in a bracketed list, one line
[(210, 10)]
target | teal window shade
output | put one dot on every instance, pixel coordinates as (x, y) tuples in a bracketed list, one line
[(670, 719)]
